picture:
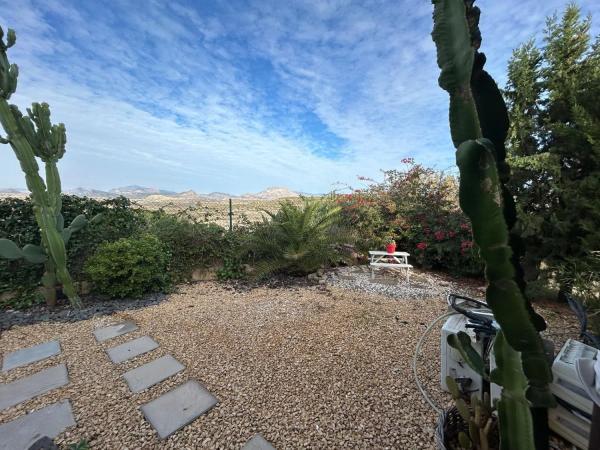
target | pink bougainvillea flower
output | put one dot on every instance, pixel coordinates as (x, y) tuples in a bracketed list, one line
[(466, 244), (439, 235), (422, 245)]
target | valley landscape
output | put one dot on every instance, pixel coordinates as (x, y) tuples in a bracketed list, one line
[(212, 207)]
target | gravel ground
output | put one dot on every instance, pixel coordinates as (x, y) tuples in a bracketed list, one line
[(318, 366)]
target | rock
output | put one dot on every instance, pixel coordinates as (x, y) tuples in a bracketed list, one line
[(44, 443), (204, 274)]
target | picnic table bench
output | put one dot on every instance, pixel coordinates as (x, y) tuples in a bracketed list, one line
[(394, 261)]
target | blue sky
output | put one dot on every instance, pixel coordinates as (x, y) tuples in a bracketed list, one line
[(236, 96)]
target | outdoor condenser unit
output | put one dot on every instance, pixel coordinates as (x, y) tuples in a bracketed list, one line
[(572, 418), (452, 363)]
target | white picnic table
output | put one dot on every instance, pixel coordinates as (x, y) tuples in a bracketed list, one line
[(394, 261)]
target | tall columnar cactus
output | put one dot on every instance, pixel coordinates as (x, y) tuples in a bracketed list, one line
[(479, 124), (34, 136)]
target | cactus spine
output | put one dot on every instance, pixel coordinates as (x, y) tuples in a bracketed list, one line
[(479, 124), (34, 136)]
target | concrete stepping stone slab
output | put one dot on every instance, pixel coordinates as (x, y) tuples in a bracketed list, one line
[(258, 443), (30, 355), (26, 388), (179, 407), (112, 331), (24, 431), (131, 349), (152, 373)]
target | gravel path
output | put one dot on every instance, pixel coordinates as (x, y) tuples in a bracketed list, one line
[(307, 367)]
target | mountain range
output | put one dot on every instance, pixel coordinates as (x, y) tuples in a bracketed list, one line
[(142, 192)]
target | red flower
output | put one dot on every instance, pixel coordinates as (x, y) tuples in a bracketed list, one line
[(421, 245), (466, 244), (439, 235)]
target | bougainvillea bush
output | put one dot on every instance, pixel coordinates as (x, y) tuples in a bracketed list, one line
[(418, 206)]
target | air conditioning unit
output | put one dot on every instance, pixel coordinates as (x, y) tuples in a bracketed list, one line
[(572, 418), (453, 364)]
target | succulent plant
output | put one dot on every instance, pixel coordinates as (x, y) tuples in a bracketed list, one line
[(34, 136), (479, 125), (478, 416)]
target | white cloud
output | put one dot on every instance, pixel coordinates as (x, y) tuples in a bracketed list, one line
[(165, 95)]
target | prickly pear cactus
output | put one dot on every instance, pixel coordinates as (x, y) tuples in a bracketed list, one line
[(34, 136), (479, 123)]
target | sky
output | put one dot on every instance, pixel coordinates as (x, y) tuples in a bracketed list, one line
[(236, 96)]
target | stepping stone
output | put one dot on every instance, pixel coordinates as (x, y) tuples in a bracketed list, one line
[(44, 443), (26, 388), (152, 373), (175, 409), (30, 355), (131, 349), (112, 331), (258, 443), (24, 431)]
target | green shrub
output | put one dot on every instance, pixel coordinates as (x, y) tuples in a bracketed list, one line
[(418, 207), (232, 269), (195, 244), (120, 218), (129, 267), (299, 238)]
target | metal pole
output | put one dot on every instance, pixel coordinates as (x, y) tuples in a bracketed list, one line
[(230, 216)]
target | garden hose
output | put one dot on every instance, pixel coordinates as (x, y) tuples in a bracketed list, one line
[(416, 356)]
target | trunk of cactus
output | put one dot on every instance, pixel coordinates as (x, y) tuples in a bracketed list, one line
[(30, 137), (479, 123)]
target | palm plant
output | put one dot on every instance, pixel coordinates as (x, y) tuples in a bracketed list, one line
[(300, 238)]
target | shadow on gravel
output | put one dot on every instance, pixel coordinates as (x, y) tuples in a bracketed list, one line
[(92, 307)]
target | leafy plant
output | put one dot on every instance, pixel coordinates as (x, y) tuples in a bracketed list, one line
[(81, 445), (418, 206), (129, 267), (194, 243), (478, 416), (19, 279), (232, 269), (34, 136), (299, 238), (479, 126)]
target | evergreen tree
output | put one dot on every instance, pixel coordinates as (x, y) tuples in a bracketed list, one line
[(553, 95)]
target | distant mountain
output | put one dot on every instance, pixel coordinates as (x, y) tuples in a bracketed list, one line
[(272, 193), (142, 192), (95, 193), (218, 196), (13, 191), (135, 191)]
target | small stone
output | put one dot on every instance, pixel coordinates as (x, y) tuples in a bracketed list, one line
[(44, 443)]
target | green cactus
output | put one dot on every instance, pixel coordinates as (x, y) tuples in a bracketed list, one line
[(479, 124), (478, 415), (34, 136)]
